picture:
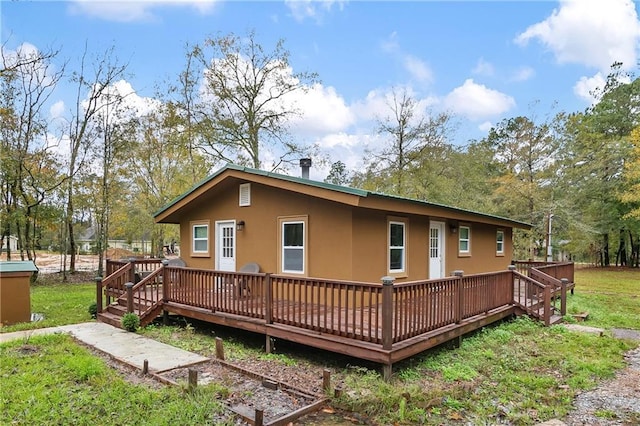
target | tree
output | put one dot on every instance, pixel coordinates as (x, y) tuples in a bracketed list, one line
[(91, 92), (523, 154), (338, 174), (631, 195), (416, 143), (248, 98), (596, 149), (28, 175)]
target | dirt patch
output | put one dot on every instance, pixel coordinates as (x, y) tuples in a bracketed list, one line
[(244, 393)]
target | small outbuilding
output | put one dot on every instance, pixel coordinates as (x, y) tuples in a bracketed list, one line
[(15, 296)]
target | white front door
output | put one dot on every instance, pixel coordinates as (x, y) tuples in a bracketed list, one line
[(436, 250), (226, 246)]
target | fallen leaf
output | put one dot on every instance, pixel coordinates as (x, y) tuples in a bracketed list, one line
[(455, 416)]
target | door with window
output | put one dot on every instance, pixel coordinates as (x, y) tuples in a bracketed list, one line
[(436, 250), (226, 246)]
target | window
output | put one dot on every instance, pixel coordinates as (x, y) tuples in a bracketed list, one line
[(245, 195), (293, 239), (200, 235), (464, 240), (396, 247), (500, 242)]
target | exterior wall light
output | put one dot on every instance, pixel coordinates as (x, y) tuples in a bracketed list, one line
[(240, 225), (453, 227)]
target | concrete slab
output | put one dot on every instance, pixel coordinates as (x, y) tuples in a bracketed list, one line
[(23, 335), (122, 345), (584, 329)]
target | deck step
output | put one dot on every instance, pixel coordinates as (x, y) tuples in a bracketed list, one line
[(117, 310), (109, 318), (555, 319)]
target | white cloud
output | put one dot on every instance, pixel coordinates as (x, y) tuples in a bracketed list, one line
[(485, 127), (418, 69), (376, 105), (523, 74), (57, 110), (302, 9), (322, 111), (586, 87), (476, 101), (138, 10), (594, 33), (391, 44), (483, 68)]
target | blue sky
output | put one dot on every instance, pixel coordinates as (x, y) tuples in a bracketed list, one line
[(483, 61)]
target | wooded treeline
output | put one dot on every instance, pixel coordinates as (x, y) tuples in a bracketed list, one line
[(111, 159)]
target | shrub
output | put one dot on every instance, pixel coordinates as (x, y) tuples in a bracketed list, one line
[(93, 310), (130, 321)]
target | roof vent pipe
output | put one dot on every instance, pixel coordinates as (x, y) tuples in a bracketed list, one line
[(305, 165)]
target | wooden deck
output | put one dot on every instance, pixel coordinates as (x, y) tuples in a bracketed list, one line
[(380, 323)]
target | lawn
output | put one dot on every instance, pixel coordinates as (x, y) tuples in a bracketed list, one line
[(52, 380), (516, 372), (610, 296)]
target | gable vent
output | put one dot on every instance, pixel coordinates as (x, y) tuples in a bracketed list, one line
[(245, 194)]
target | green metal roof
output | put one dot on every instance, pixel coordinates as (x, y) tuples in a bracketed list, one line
[(17, 266), (331, 187)]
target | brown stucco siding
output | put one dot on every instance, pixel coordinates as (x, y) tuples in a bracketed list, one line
[(482, 256), (344, 242), (329, 247)]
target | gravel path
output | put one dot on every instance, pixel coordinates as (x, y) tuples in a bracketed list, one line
[(615, 401)]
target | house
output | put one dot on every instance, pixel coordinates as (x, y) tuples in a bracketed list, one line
[(9, 243), (86, 243), (301, 227), (322, 251)]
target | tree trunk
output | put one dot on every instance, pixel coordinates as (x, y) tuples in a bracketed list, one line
[(72, 241), (634, 260), (605, 250), (621, 254)]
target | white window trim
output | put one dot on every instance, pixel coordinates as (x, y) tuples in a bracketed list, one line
[(501, 242), (195, 252), (292, 220), (244, 195), (468, 240), (403, 247)]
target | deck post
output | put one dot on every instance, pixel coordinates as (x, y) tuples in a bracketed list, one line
[(268, 303), (165, 279), (387, 312), (129, 287), (387, 372), (98, 294), (512, 269), (563, 296), (132, 271), (547, 305), (459, 274)]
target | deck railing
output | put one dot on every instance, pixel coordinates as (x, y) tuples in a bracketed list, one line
[(218, 291), (341, 308), (532, 297), (145, 296), (113, 286), (380, 314)]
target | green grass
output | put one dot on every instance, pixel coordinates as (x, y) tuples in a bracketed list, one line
[(61, 304), (518, 372), (52, 380), (611, 296)]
